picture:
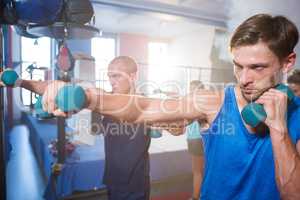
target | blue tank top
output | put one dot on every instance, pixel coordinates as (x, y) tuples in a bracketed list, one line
[(297, 100), (238, 164)]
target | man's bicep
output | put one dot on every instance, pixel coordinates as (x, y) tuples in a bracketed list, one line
[(170, 110)]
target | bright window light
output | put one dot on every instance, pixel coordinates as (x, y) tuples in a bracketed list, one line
[(103, 50), (158, 62), (35, 52)]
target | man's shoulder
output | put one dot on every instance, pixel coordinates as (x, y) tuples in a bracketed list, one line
[(209, 102)]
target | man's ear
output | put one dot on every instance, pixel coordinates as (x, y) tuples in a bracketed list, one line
[(289, 62)]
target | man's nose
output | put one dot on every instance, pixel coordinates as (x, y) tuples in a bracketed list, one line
[(245, 77)]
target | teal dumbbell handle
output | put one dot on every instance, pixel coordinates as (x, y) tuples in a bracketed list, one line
[(253, 114), (155, 133), (9, 77), (70, 98)]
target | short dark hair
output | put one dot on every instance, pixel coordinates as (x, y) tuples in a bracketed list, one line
[(279, 33), (294, 77)]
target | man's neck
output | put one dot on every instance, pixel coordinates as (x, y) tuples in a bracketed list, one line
[(131, 92)]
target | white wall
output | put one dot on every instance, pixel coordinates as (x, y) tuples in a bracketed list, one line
[(193, 50)]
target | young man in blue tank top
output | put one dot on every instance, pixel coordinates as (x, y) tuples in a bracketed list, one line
[(239, 163)]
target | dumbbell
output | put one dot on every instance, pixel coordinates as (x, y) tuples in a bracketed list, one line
[(9, 77), (155, 133), (254, 114), (38, 108), (70, 98)]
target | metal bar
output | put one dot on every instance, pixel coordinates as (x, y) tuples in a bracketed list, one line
[(2, 132), (61, 140), (31, 93), (61, 137)]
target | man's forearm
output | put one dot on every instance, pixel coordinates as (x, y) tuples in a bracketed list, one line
[(287, 165), (34, 86)]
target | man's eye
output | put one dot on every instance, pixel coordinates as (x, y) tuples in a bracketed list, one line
[(258, 68), (114, 76)]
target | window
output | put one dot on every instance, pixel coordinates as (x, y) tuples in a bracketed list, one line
[(103, 50), (34, 53)]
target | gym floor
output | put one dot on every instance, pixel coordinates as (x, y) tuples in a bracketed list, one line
[(25, 181)]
